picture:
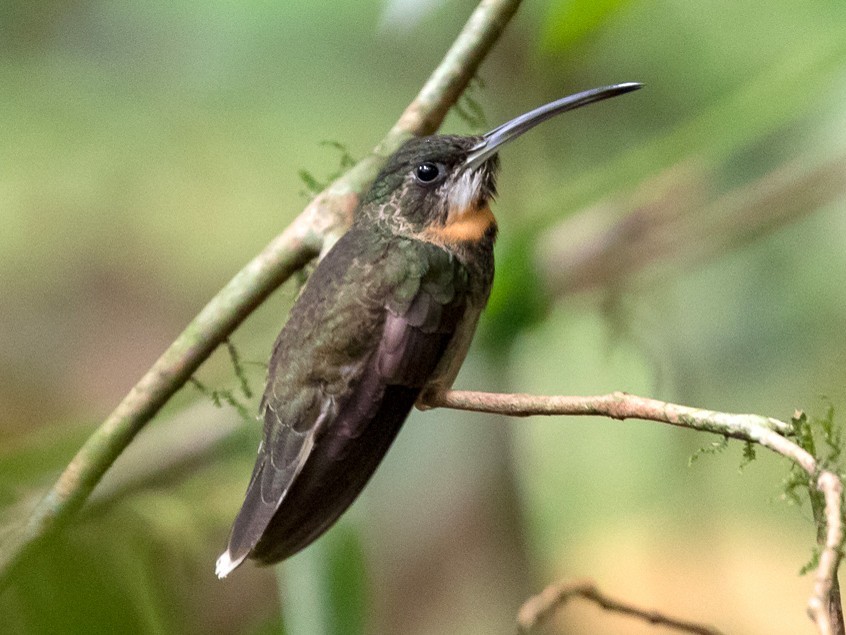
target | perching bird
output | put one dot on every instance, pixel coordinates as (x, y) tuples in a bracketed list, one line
[(387, 316)]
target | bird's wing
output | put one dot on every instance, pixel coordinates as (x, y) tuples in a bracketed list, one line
[(396, 339), (280, 458)]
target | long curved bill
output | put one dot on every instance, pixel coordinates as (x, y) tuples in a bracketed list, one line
[(491, 141)]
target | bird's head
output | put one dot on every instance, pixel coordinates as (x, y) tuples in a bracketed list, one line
[(438, 188)]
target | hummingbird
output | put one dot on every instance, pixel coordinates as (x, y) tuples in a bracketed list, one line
[(384, 321)]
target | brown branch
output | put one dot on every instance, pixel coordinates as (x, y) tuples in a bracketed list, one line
[(538, 608), (323, 220), (766, 431), (822, 606)]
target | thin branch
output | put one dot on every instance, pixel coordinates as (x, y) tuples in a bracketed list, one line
[(619, 405), (765, 431), (538, 608), (320, 223), (820, 605)]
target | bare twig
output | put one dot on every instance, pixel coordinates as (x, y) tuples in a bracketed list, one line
[(539, 607), (320, 223), (766, 431), (820, 605)]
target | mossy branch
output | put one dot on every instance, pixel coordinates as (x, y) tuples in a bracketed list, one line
[(320, 223)]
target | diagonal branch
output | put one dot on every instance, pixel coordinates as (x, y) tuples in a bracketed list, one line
[(326, 217), (768, 432), (539, 607)]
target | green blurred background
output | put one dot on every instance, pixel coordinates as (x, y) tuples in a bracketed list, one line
[(685, 242)]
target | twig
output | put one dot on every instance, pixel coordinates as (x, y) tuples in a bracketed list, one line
[(319, 224), (539, 607), (820, 605), (765, 431)]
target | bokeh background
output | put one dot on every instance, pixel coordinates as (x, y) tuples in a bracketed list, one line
[(684, 242)]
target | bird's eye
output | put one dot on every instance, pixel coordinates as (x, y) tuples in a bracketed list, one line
[(427, 172)]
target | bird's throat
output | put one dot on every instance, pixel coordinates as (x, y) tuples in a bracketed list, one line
[(471, 224)]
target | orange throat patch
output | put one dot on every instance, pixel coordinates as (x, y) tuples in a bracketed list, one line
[(468, 225)]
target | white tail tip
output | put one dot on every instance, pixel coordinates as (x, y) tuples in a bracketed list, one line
[(225, 565)]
